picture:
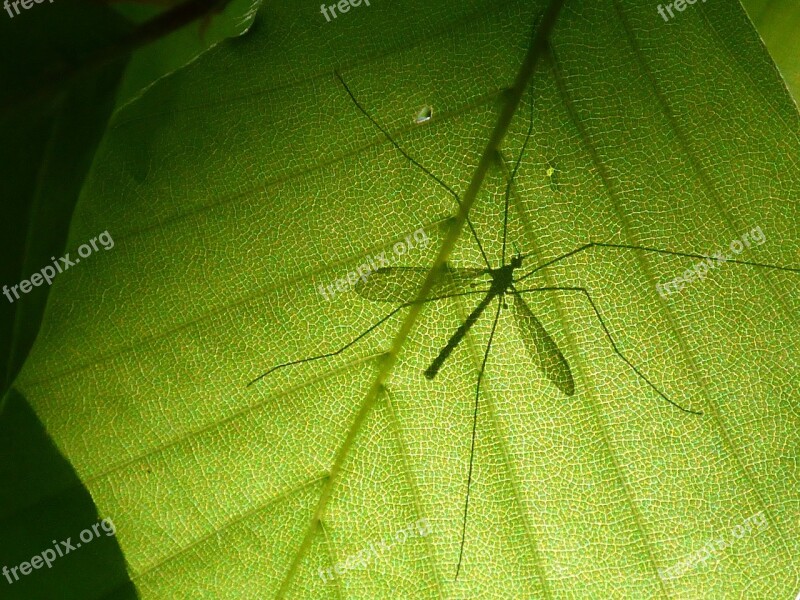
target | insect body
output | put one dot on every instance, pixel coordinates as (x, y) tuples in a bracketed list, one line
[(401, 284), (387, 284)]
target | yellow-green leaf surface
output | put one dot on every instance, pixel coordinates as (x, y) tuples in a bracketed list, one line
[(239, 185)]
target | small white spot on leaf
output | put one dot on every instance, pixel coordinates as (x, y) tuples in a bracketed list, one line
[(424, 115)]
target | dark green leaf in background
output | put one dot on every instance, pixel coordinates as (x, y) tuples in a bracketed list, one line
[(778, 22)]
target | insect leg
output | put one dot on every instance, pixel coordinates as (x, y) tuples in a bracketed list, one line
[(454, 340), (694, 255), (474, 430), (360, 336), (511, 176), (655, 251)]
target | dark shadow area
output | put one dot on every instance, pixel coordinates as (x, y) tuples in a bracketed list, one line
[(46, 148), (42, 500)]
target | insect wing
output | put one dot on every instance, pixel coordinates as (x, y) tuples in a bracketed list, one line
[(542, 348), (402, 284)]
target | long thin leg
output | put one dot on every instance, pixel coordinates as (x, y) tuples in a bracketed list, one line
[(361, 335), (616, 349), (474, 430), (693, 255), (513, 176), (414, 162), (649, 249)]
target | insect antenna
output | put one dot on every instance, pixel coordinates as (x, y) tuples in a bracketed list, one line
[(413, 161), (513, 176)]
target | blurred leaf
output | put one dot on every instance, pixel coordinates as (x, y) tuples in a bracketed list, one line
[(778, 22), (46, 148), (42, 501), (180, 47), (236, 186)]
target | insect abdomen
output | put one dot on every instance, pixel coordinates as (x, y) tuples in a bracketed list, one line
[(462, 330)]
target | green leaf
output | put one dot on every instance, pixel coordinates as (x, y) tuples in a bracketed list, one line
[(238, 185), (42, 504), (46, 151)]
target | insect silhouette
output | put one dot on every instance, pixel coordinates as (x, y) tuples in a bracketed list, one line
[(401, 284)]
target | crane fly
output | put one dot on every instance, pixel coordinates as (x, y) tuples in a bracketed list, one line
[(400, 285)]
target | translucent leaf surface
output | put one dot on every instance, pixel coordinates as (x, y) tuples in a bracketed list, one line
[(239, 185)]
